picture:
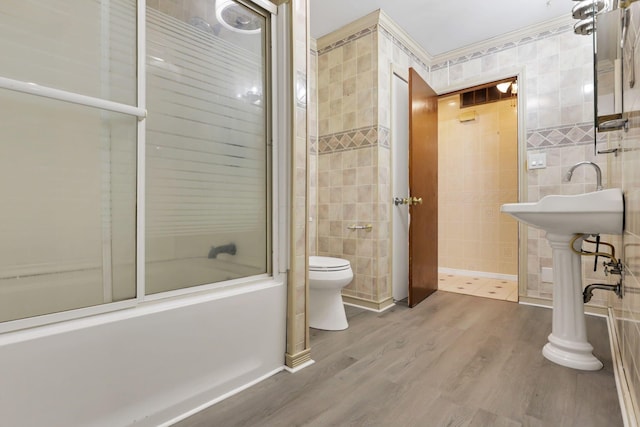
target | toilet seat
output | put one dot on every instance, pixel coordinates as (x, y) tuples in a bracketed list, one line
[(323, 263)]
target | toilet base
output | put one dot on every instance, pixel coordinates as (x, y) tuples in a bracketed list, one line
[(326, 310)]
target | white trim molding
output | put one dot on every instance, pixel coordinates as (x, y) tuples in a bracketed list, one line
[(349, 30), (378, 17), (625, 396), (400, 34), (541, 28), (369, 305)]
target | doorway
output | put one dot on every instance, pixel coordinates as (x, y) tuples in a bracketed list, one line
[(478, 171), (478, 155)]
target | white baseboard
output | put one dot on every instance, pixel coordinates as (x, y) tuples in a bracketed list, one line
[(487, 274), (375, 306), (299, 367), (589, 310), (364, 307), (629, 416), (534, 302)]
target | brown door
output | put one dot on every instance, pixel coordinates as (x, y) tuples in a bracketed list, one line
[(423, 184)]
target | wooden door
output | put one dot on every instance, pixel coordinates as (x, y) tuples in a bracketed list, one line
[(423, 184)]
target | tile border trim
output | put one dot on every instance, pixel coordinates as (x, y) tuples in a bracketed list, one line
[(353, 37), (562, 136), (353, 139)]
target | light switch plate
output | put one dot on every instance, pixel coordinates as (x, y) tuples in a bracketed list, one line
[(536, 160)]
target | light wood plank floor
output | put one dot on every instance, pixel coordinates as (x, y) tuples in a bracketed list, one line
[(454, 360)]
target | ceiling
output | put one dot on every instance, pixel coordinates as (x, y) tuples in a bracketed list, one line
[(440, 26)]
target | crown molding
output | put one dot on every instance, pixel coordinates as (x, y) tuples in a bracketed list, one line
[(313, 45), (402, 36), (379, 17), (349, 29), (550, 25)]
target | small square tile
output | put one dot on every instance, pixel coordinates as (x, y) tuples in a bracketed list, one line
[(506, 290)]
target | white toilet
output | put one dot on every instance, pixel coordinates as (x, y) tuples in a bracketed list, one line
[(327, 277)]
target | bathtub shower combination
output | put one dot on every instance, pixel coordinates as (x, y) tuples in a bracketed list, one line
[(69, 235), (135, 165)]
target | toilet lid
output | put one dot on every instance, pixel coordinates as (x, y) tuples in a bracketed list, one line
[(324, 263)]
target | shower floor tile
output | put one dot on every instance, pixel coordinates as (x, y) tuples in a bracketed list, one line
[(501, 289)]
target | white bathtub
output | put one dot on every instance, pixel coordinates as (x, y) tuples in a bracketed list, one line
[(145, 366)]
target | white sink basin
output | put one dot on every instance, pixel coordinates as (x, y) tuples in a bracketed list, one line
[(563, 217), (588, 213)]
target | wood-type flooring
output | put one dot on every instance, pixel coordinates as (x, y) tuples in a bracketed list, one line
[(454, 360)]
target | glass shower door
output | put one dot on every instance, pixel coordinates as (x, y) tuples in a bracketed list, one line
[(207, 161)]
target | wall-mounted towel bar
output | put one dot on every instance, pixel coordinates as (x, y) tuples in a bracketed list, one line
[(367, 227)]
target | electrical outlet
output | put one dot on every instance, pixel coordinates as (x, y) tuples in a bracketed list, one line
[(546, 275)]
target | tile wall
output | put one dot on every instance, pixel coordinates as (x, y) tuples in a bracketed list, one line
[(348, 158), (354, 182), (395, 53)]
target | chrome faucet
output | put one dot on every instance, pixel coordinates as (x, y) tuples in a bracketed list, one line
[(595, 166)]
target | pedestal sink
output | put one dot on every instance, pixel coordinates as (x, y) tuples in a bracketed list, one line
[(562, 217)]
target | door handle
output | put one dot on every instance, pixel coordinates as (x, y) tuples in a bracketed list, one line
[(411, 201)]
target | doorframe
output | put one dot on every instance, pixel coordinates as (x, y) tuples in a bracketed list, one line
[(403, 74), (520, 73)]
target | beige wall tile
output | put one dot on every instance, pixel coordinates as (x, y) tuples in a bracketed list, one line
[(346, 187)]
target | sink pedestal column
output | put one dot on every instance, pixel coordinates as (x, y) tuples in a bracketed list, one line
[(568, 344)]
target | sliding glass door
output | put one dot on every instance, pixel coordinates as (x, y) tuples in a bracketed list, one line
[(207, 197)]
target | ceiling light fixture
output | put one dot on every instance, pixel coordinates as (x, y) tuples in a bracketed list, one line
[(503, 87), (237, 17)]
